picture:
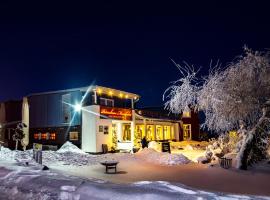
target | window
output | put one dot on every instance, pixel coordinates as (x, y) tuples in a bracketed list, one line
[(126, 132), (52, 136), (106, 102), (110, 102), (140, 132), (167, 132), (186, 114), (159, 132), (150, 135), (74, 135), (36, 136), (44, 136), (187, 131)]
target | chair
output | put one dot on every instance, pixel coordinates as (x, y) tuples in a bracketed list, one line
[(104, 148)]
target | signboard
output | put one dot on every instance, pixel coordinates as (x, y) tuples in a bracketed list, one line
[(116, 113), (166, 147)]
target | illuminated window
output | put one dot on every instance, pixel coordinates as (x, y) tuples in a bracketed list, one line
[(52, 136), (159, 132), (140, 132), (150, 135), (186, 114), (74, 135), (36, 136), (167, 132), (44, 136), (187, 131), (126, 132)]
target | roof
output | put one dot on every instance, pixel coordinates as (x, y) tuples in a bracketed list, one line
[(157, 113), (94, 88)]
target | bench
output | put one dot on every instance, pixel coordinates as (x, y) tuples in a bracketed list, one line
[(110, 165)]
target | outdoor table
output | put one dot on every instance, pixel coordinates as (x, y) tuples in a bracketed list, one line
[(110, 165)]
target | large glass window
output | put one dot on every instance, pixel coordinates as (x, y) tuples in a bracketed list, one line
[(159, 132), (167, 132), (140, 132), (126, 132), (150, 134)]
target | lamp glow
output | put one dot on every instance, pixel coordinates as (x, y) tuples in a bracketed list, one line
[(78, 107)]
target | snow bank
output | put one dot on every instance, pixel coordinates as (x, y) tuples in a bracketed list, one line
[(155, 145), (162, 158), (9, 155), (69, 147)]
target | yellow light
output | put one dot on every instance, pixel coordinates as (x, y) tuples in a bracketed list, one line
[(110, 93), (99, 91), (126, 96), (120, 95), (135, 98)]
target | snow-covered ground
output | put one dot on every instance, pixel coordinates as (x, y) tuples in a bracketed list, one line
[(69, 154), (30, 182)]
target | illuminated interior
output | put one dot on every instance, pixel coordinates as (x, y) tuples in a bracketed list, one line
[(186, 114), (126, 132), (154, 132)]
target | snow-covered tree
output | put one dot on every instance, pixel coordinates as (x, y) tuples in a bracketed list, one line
[(239, 93), (19, 134), (182, 94)]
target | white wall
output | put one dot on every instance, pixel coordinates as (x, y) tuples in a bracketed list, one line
[(101, 137), (92, 139), (89, 128)]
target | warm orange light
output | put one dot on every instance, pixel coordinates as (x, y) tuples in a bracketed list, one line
[(135, 98), (120, 95), (99, 91), (110, 93), (126, 96)]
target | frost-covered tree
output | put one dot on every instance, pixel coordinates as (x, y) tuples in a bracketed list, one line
[(182, 94), (240, 92), (19, 134)]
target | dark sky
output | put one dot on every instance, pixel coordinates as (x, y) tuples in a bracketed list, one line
[(125, 46)]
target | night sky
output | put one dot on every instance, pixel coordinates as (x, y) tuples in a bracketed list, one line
[(125, 46)]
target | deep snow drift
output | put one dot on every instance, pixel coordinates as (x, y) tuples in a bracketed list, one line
[(70, 154)]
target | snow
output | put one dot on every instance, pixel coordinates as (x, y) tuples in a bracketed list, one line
[(162, 158), (22, 183), (70, 154), (69, 147)]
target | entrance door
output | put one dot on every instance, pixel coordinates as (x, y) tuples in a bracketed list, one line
[(186, 131)]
